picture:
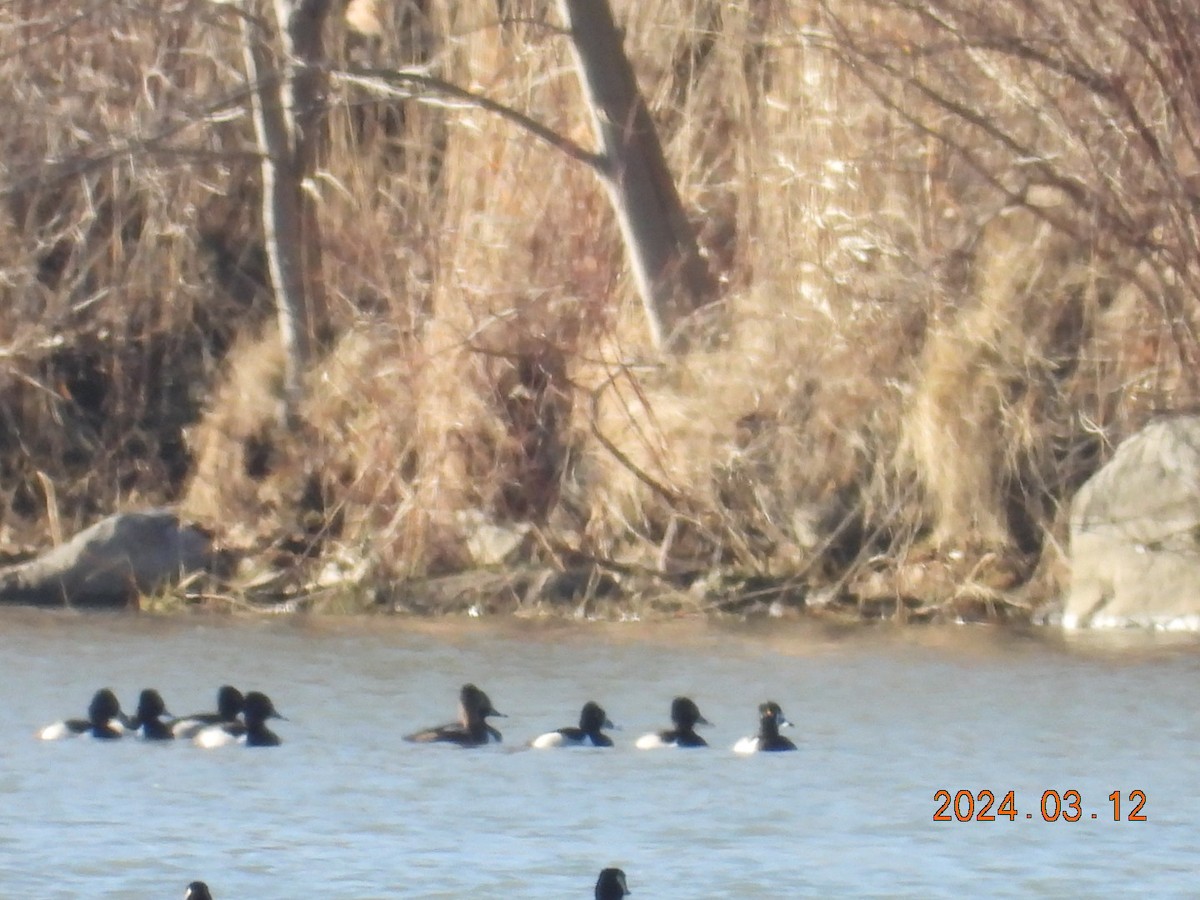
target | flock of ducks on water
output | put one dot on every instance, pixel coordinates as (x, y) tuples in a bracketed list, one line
[(239, 718), (242, 719), (475, 707), (610, 885)]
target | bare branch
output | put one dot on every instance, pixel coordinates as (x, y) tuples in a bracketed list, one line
[(419, 85)]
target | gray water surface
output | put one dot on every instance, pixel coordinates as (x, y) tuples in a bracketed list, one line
[(346, 809)]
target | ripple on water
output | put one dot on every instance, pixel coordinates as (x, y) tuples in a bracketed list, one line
[(345, 808)]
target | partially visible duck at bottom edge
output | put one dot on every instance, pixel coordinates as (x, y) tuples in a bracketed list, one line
[(611, 885)]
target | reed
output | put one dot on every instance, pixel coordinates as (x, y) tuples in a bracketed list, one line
[(956, 249)]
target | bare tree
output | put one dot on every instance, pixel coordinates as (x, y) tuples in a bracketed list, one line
[(672, 277), (678, 291), (288, 105)]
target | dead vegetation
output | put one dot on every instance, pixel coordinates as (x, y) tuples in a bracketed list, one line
[(957, 250)]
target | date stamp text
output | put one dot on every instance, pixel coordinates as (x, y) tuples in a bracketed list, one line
[(1055, 806)]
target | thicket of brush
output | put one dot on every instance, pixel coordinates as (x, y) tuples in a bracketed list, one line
[(958, 243)]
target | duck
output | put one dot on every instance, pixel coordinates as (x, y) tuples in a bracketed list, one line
[(686, 716), (229, 705), (104, 720), (768, 739), (147, 723), (592, 718), (471, 729), (611, 885), (197, 890), (252, 731)]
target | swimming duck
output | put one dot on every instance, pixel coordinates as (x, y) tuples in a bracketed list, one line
[(686, 716), (252, 731), (591, 720), (197, 890), (147, 723), (768, 739), (611, 885), (471, 729), (104, 720), (229, 704)]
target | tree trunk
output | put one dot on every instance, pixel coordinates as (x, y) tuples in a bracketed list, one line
[(288, 104), (301, 24), (672, 277)]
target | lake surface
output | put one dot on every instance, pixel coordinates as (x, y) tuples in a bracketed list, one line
[(345, 809)]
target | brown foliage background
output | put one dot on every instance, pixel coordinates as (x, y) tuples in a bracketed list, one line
[(957, 239)]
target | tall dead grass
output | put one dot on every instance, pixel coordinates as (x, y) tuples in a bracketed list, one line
[(955, 274)]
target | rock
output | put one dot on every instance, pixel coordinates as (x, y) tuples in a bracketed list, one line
[(1135, 534), (111, 563)]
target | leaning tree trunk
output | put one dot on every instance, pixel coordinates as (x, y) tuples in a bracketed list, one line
[(672, 277), (288, 106)]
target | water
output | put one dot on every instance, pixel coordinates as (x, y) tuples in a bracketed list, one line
[(345, 809)]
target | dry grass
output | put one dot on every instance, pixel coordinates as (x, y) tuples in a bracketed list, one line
[(940, 322)]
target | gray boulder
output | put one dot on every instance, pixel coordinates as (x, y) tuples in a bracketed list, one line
[(111, 563), (1135, 534)]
